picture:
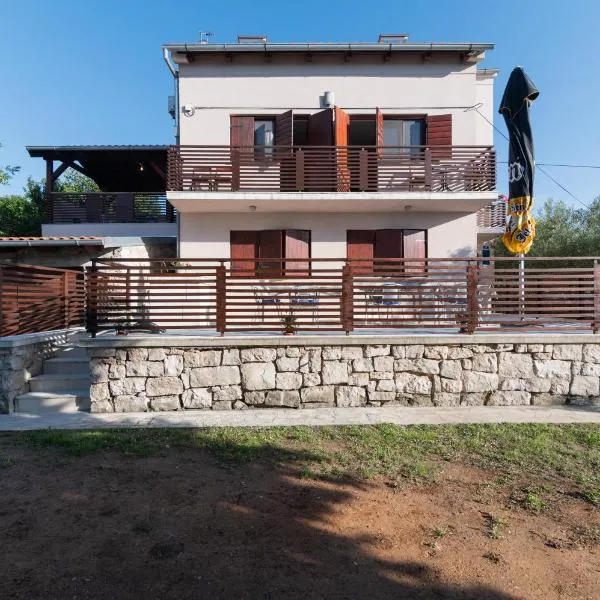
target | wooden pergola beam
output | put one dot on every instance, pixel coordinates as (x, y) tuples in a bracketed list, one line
[(60, 170)]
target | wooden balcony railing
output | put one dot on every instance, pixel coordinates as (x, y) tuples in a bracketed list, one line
[(34, 299), (109, 207), (466, 295), (493, 215), (332, 168)]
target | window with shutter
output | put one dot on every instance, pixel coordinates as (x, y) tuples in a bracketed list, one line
[(270, 248)]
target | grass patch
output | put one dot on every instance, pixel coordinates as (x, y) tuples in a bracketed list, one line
[(396, 452)]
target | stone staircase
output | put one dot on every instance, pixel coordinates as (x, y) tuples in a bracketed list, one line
[(63, 386)]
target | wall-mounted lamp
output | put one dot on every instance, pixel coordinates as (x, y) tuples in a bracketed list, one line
[(141, 166), (408, 207), (328, 99), (252, 208)]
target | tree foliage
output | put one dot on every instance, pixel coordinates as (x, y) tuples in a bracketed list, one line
[(7, 172), (23, 215), (563, 230)]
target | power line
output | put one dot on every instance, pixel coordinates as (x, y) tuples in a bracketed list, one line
[(538, 166)]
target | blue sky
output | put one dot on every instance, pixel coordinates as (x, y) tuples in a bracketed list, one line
[(74, 72)]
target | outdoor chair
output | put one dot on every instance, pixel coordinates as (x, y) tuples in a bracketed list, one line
[(306, 299), (263, 299)]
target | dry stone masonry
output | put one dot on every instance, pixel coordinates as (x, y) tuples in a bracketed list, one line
[(171, 378)]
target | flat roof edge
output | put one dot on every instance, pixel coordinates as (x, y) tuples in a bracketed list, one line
[(331, 47)]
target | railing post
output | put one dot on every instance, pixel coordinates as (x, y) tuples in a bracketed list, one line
[(428, 169), (128, 295), (299, 156), (221, 294), (65, 295), (235, 169), (363, 164), (91, 318), (347, 301), (2, 307), (596, 326), (472, 299)]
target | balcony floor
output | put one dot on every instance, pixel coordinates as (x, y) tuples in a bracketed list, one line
[(205, 201)]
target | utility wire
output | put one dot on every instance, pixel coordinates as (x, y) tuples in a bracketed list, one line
[(560, 185)]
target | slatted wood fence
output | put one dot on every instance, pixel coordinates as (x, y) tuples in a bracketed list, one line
[(34, 299), (467, 295)]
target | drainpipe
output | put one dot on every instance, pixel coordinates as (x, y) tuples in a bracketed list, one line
[(175, 74)]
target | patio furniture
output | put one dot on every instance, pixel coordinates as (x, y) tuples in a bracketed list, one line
[(212, 177), (265, 298), (306, 299)]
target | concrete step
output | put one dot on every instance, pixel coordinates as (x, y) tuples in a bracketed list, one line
[(38, 403), (72, 352), (60, 383), (66, 365)]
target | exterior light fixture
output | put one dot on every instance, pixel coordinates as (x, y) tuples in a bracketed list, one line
[(252, 208), (408, 207)]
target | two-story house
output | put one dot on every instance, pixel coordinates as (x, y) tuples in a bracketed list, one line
[(333, 150), (303, 150)]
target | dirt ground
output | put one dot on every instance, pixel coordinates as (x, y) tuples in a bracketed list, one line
[(182, 525)]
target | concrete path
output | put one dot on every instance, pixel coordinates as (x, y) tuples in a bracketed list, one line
[(322, 416)]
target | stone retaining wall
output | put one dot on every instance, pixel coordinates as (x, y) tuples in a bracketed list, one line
[(21, 358), (223, 378)]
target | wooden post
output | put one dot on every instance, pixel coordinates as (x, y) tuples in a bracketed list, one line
[(299, 155), (347, 301), (472, 299), (128, 295), (235, 169), (596, 324), (91, 318), (363, 164), (65, 299), (428, 169), (2, 307), (49, 189), (221, 294)]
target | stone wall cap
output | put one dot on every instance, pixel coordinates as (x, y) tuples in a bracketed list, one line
[(12, 341), (207, 341)]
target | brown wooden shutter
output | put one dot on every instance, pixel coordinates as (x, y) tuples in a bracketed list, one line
[(379, 132), (284, 131), (243, 244), (415, 246), (439, 133), (242, 131), (320, 128), (270, 246), (388, 244), (360, 249), (284, 140), (297, 245), (342, 121)]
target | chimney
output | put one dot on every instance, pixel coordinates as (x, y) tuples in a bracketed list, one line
[(392, 38), (252, 39)]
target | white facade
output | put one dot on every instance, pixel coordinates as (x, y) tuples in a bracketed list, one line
[(215, 86)]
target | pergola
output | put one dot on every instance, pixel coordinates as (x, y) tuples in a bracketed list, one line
[(113, 168)]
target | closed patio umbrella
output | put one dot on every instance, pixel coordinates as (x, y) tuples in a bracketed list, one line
[(514, 107)]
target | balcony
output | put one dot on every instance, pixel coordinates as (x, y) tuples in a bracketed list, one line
[(430, 169), (109, 207)]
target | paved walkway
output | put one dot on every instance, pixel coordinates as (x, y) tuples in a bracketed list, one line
[(322, 416)]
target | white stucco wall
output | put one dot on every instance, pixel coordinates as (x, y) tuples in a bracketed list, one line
[(404, 85), (206, 235)]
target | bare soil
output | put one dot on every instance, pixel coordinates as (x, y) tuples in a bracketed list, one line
[(181, 525)]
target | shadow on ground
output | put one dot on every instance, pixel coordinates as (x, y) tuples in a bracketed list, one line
[(180, 525)]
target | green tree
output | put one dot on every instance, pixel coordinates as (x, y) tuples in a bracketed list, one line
[(7, 172), (563, 230), (19, 216)]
